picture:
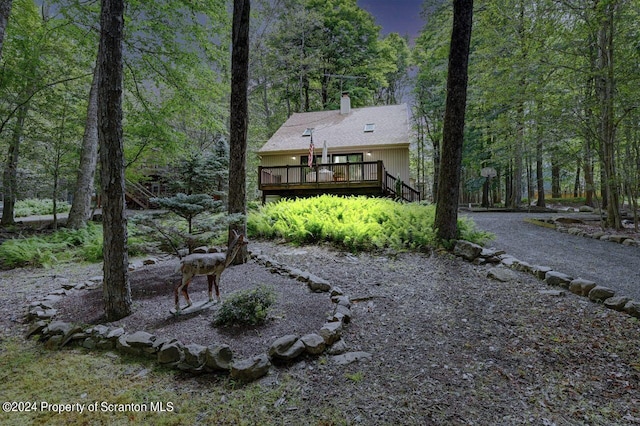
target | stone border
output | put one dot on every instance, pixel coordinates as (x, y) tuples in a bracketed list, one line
[(565, 227), (196, 358), (596, 293)]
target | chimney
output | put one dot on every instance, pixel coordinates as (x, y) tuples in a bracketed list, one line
[(345, 104)]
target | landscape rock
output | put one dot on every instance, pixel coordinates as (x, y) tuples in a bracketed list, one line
[(140, 339), (58, 328), (467, 250), (618, 238), (171, 353), (313, 343), (540, 271), (286, 348), (342, 300), (115, 333), (351, 357), (600, 293), (341, 313), (218, 358), (318, 284), (509, 261), (581, 286), (632, 308), (195, 356), (617, 303), (502, 274), (523, 267), (331, 331), (250, 369), (338, 348), (36, 328), (557, 279), (124, 347)]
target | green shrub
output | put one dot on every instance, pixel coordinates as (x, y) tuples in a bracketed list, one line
[(61, 246), (249, 307), (35, 207), (356, 223)]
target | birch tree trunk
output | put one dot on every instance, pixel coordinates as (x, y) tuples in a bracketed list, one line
[(116, 290)]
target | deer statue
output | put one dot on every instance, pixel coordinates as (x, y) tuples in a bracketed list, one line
[(209, 264)]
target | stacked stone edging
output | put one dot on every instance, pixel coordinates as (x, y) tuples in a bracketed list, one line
[(196, 358), (564, 225), (504, 263)]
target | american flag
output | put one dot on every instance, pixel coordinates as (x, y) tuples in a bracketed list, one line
[(310, 162)]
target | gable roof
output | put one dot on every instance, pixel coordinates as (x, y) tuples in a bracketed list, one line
[(342, 131)]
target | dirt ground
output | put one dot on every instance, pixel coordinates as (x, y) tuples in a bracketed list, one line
[(449, 346)]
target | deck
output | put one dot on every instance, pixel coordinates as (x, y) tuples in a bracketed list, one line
[(361, 178)]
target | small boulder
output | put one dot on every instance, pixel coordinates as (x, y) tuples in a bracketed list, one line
[(617, 303), (581, 287), (351, 357), (250, 369), (540, 271), (195, 356), (171, 353), (632, 308), (467, 250), (317, 284), (313, 343), (557, 279), (502, 274), (331, 331), (600, 293), (140, 339), (218, 358), (286, 348)]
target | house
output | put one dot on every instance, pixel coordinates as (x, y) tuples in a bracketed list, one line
[(367, 153)]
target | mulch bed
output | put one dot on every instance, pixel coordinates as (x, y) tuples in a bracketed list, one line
[(297, 310)]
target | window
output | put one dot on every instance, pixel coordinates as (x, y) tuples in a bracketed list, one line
[(369, 128), (307, 132)]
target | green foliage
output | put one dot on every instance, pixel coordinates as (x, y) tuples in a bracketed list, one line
[(33, 207), (64, 245), (188, 206), (249, 307), (168, 233), (356, 223)]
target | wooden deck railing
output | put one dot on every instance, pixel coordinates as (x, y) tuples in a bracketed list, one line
[(359, 177)]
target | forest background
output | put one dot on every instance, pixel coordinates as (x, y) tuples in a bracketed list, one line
[(552, 102)]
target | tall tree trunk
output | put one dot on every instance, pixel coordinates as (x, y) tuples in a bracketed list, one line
[(80, 211), (239, 120), (588, 174), (116, 289), (556, 191), (446, 219), (540, 173), (605, 90), (10, 176), (5, 11), (576, 184)]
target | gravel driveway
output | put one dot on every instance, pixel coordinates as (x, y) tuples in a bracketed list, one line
[(606, 263)]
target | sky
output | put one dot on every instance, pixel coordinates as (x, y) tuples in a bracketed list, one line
[(396, 16)]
